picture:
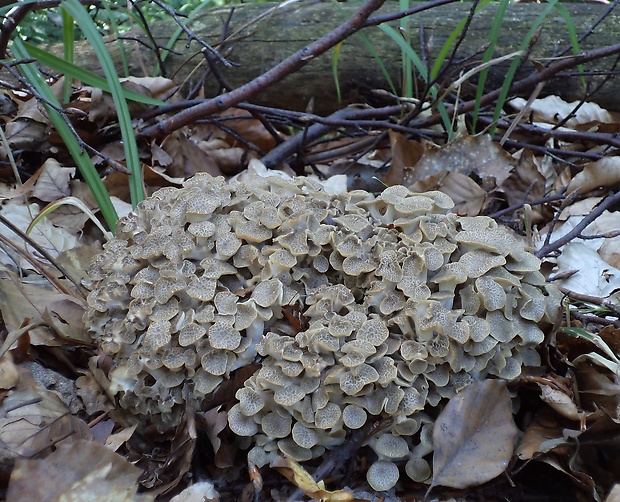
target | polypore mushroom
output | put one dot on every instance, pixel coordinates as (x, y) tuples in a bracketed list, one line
[(355, 307)]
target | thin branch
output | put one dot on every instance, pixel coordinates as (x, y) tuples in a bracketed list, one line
[(525, 83), (277, 73), (580, 227), (384, 18), (322, 127)]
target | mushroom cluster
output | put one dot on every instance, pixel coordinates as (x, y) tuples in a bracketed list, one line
[(354, 306)]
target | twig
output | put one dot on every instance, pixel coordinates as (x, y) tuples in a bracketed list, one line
[(149, 35), (537, 202), (523, 84), (322, 127), (594, 319), (558, 153), (54, 281), (384, 18), (345, 452), (275, 74), (591, 299), (212, 61), (580, 227), (190, 34)]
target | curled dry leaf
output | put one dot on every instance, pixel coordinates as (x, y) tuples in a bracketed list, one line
[(203, 491), (468, 196), (600, 174), (82, 470), (295, 473), (8, 372), (474, 436), (560, 401), (594, 277), (34, 419), (465, 155), (543, 434), (553, 109)]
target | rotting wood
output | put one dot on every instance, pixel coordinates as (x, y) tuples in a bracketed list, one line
[(261, 46)]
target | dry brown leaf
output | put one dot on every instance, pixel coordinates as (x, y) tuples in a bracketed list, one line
[(64, 315), (29, 129), (53, 181), (155, 87), (70, 217), (25, 134), (526, 182), (115, 441), (178, 463), (33, 419), (203, 491), (467, 195), (600, 174), (250, 129), (52, 239), (77, 472), (597, 390), (8, 372), (406, 153), (21, 300), (553, 109), (543, 434), (465, 155), (560, 401), (90, 391), (229, 160), (76, 261), (474, 436), (297, 475), (215, 421), (593, 277), (187, 158)]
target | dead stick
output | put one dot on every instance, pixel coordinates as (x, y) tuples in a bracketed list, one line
[(277, 73)]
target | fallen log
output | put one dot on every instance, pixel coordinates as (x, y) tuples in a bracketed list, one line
[(255, 46)]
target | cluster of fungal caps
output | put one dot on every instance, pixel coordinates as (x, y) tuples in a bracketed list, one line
[(403, 304)]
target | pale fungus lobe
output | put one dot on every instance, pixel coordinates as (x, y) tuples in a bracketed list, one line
[(354, 307)]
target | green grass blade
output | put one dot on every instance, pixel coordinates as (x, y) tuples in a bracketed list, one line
[(335, 58), (572, 33), (119, 40), (68, 38), (488, 54), (406, 49), (89, 78), (410, 53), (375, 55), (512, 70), (82, 160), (407, 68), (380, 64), (88, 27), (445, 48)]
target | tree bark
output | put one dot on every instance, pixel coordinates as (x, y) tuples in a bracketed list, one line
[(263, 44)]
